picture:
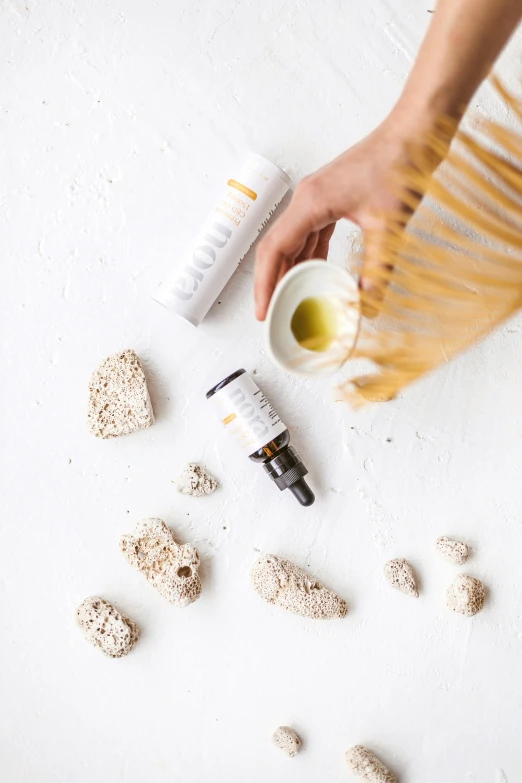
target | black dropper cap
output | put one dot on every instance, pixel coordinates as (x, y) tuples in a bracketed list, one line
[(302, 492), (287, 470)]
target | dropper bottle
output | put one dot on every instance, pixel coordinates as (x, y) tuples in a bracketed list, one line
[(257, 429)]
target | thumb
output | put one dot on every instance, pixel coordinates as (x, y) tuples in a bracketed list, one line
[(284, 242)]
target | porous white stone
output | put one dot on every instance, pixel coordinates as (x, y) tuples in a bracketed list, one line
[(401, 575), (455, 552), (284, 584), (287, 740), (119, 401), (367, 766), (466, 595), (196, 481), (106, 628), (170, 567)]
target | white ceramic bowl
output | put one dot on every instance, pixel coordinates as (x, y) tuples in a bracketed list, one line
[(305, 280)]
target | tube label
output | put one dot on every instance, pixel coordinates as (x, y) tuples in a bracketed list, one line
[(246, 414), (240, 212)]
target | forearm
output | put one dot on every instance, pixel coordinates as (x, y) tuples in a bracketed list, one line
[(462, 43)]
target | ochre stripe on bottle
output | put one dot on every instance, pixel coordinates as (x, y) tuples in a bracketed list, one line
[(233, 183)]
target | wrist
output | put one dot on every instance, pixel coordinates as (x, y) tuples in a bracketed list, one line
[(410, 127), (414, 114), (414, 119)]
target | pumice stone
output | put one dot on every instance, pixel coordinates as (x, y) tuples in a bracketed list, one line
[(119, 401), (466, 595), (367, 766), (401, 575), (284, 584), (106, 628), (196, 481), (287, 740), (455, 552), (170, 567)]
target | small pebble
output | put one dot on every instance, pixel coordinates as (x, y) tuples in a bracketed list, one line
[(287, 740), (367, 766), (106, 628), (196, 481), (401, 575), (453, 551), (466, 595)]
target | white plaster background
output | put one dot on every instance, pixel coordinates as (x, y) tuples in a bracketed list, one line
[(117, 120)]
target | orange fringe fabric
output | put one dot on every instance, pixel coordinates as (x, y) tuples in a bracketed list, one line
[(454, 271)]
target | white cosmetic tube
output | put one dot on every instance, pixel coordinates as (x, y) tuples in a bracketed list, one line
[(246, 203)]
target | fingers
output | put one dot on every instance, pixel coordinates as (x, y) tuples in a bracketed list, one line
[(269, 266), (381, 232), (280, 247), (308, 250), (293, 238), (285, 267), (375, 270), (323, 242)]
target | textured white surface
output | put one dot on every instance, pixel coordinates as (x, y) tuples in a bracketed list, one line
[(116, 119)]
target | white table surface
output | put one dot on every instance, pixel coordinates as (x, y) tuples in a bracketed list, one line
[(117, 120)]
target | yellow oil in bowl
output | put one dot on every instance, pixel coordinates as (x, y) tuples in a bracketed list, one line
[(315, 323)]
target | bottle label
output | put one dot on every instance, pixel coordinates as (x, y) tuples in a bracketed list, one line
[(246, 414), (240, 212)]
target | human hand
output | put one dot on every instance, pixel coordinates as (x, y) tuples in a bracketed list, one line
[(463, 40), (355, 186)]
